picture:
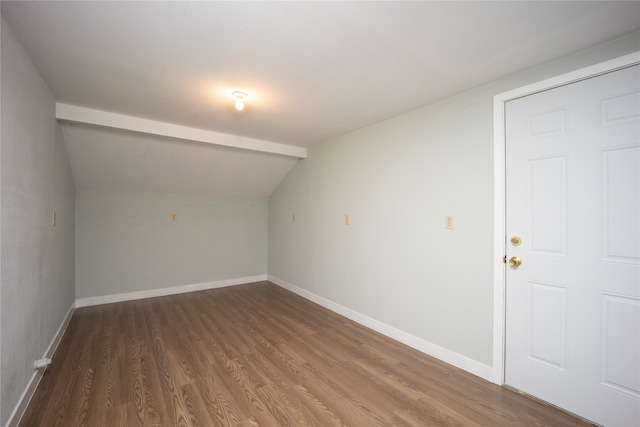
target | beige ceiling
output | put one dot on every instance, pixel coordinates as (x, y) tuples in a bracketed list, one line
[(316, 70)]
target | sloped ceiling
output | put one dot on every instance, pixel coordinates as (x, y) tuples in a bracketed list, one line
[(104, 158), (315, 70)]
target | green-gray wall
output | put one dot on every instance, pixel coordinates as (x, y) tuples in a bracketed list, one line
[(126, 241), (397, 180), (36, 259)]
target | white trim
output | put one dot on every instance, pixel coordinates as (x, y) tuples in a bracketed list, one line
[(419, 344), (448, 356), (151, 293), (77, 114), (24, 400), (27, 395), (499, 188)]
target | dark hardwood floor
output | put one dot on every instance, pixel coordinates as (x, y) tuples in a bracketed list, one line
[(257, 355)]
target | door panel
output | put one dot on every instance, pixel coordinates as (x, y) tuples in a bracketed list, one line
[(620, 355), (547, 325), (548, 205), (621, 186), (573, 197)]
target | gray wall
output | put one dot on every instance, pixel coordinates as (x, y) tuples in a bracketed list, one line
[(126, 241), (37, 260), (398, 179)]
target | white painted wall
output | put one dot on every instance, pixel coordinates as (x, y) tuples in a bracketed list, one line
[(126, 242), (397, 179), (37, 260)]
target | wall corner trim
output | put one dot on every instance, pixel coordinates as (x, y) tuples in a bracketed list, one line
[(472, 366), (23, 402)]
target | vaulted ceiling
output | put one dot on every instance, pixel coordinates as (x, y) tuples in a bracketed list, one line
[(314, 71)]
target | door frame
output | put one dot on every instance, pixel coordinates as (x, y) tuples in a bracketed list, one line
[(499, 170)]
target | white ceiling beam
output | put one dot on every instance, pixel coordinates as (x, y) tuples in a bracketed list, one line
[(77, 114)]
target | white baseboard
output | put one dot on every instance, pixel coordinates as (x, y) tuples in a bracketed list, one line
[(472, 366), (130, 296), (424, 346), (23, 402), (18, 411)]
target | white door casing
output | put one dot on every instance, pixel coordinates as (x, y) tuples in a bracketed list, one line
[(572, 358)]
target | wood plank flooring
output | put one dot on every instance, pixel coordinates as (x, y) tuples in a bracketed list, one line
[(257, 355)]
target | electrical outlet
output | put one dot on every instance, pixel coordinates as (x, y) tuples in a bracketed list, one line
[(347, 220), (293, 218), (174, 217), (448, 222)]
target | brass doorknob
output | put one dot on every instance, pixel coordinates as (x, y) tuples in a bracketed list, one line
[(515, 261)]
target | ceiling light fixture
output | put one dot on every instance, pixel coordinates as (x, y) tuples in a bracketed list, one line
[(239, 97)]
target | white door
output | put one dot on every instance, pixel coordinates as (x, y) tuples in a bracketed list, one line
[(573, 200)]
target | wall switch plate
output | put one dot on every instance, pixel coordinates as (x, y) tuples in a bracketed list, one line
[(53, 219), (347, 220), (293, 218), (448, 222), (174, 217)]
